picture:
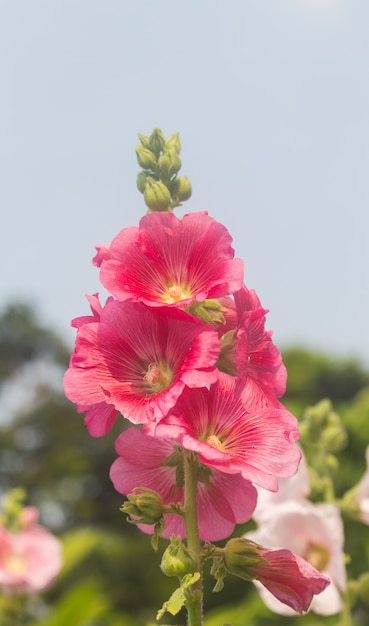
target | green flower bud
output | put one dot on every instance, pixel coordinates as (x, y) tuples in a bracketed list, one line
[(144, 505), (332, 463), (209, 311), (334, 438), (141, 181), (176, 560), (156, 141), (181, 188), (173, 143), (227, 358), (146, 159), (156, 195), (169, 163), (241, 556), (145, 140), (363, 587)]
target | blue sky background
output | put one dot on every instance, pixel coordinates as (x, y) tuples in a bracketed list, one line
[(271, 99)]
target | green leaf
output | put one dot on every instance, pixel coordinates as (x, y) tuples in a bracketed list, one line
[(177, 600)]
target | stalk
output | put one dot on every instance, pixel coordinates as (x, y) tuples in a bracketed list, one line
[(195, 594)]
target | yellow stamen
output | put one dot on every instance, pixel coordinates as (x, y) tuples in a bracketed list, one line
[(214, 442), (15, 564), (157, 377)]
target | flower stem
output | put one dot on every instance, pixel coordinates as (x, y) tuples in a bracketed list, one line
[(195, 594)]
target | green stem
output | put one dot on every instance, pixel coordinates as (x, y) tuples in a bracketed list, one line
[(346, 610), (194, 598)]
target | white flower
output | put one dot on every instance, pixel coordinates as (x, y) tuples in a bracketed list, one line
[(314, 532)]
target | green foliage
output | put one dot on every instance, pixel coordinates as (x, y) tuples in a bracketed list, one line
[(313, 376)]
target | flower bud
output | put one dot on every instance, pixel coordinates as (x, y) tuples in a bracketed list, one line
[(29, 517), (363, 587), (176, 560), (181, 188), (334, 437), (144, 505), (156, 195), (241, 556), (169, 163), (209, 311), (146, 158), (144, 140), (173, 143), (141, 181), (156, 141)]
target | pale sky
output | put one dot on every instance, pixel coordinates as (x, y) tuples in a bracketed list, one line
[(271, 99)]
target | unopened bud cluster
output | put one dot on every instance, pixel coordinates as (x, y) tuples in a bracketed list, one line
[(159, 182)]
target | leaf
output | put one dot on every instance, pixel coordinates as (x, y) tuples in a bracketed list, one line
[(177, 599)]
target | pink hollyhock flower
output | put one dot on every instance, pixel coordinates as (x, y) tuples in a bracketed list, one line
[(29, 517), (171, 261), (139, 360), (101, 417), (29, 560), (248, 349), (315, 533), (233, 437), (362, 497), (223, 500), (290, 579)]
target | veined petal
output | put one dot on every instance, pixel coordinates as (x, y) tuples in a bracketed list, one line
[(235, 438), (223, 500), (139, 360), (171, 261)]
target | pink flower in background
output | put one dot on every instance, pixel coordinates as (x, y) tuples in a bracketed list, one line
[(29, 560), (362, 498), (224, 500), (234, 438), (290, 579), (248, 349), (171, 261), (28, 517), (315, 533), (139, 360)]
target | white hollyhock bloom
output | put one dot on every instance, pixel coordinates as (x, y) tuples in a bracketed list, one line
[(314, 532)]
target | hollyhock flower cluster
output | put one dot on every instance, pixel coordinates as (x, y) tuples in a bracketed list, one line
[(29, 559), (180, 347)]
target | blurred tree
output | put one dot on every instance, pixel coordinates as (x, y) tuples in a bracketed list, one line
[(23, 339), (313, 376)]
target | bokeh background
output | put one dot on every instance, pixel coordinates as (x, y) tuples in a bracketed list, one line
[(271, 99)]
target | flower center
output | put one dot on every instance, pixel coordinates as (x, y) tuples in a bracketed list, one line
[(176, 293), (214, 442), (317, 556), (157, 377), (15, 564)]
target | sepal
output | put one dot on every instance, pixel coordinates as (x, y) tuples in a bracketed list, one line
[(176, 560)]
